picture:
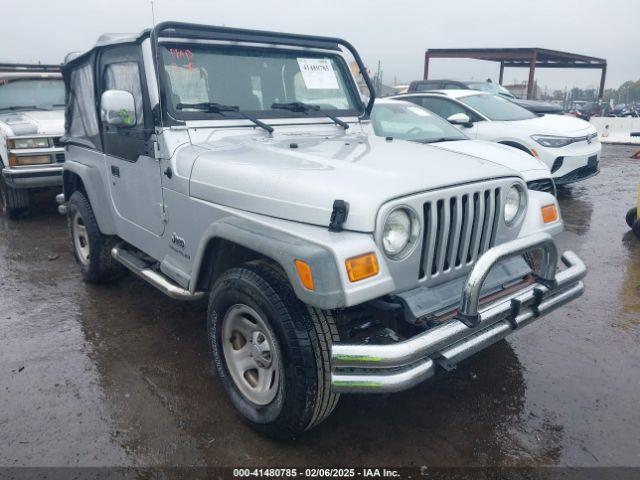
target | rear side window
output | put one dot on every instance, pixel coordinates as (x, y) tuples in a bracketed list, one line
[(126, 76), (426, 86), (82, 122)]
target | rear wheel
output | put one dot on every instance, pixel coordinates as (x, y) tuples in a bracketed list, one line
[(13, 202), (91, 249), (270, 351), (632, 216)]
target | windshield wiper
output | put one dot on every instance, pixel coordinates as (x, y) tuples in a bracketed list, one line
[(441, 139), (306, 108), (213, 107)]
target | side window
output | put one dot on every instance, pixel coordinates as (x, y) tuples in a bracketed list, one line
[(429, 85), (126, 76), (121, 70), (81, 120), (445, 108)]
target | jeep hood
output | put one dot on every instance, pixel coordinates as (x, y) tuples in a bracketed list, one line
[(298, 176), (34, 122)]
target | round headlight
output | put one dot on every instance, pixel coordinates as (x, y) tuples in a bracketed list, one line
[(400, 230), (513, 204)]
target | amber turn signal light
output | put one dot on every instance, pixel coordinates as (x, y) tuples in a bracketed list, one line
[(362, 266), (534, 152), (15, 161), (549, 213), (305, 274)]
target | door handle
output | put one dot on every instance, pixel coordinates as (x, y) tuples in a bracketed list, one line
[(115, 171)]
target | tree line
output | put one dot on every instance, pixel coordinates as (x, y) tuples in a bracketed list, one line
[(628, 92)]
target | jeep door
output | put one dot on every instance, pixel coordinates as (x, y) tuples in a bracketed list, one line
[(133, 172)]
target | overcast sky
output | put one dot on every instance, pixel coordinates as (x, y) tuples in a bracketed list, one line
[(394, 32)]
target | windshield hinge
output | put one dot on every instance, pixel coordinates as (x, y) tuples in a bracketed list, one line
[(338, 215)]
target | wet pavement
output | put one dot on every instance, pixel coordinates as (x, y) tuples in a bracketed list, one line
[(119, 374)]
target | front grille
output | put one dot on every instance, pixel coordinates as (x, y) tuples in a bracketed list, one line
[(458, 229), (542, 185), (56, 142), (59, 157)]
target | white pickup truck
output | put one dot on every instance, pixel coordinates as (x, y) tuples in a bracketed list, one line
[(31, 124)]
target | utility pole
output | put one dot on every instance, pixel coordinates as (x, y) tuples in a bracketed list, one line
[(377, 79)]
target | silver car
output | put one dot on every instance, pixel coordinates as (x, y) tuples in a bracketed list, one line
[(237, 165)]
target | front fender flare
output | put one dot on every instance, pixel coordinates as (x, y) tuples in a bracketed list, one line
[(282, 248)]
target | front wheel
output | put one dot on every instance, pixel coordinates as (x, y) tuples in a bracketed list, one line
[(270, 351)]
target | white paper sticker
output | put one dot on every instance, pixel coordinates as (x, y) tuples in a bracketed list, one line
[(419, 111), (318, 73)]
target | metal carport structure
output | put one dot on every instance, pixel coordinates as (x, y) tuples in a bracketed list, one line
[(530, 58)]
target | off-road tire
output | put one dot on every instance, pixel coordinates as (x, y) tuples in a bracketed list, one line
[(632, 216), (101, 266), (14, 203), (304, 336)]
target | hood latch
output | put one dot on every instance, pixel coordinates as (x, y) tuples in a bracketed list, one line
[(338, 215)]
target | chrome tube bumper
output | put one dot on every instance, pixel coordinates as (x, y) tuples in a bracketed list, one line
[(361, 368)]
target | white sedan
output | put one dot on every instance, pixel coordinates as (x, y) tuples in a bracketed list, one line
[(568, 146), (398, 120)]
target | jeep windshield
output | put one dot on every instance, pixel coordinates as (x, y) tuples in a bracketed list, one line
[(406, 121), (31, 94), (255, 81)]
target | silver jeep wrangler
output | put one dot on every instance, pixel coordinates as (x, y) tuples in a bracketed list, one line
[(234, 164)]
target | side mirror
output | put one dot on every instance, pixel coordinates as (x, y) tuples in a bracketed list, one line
[(118, 108), (460, 119)]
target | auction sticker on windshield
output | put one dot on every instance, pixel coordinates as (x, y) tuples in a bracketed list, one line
[(318, 73)]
